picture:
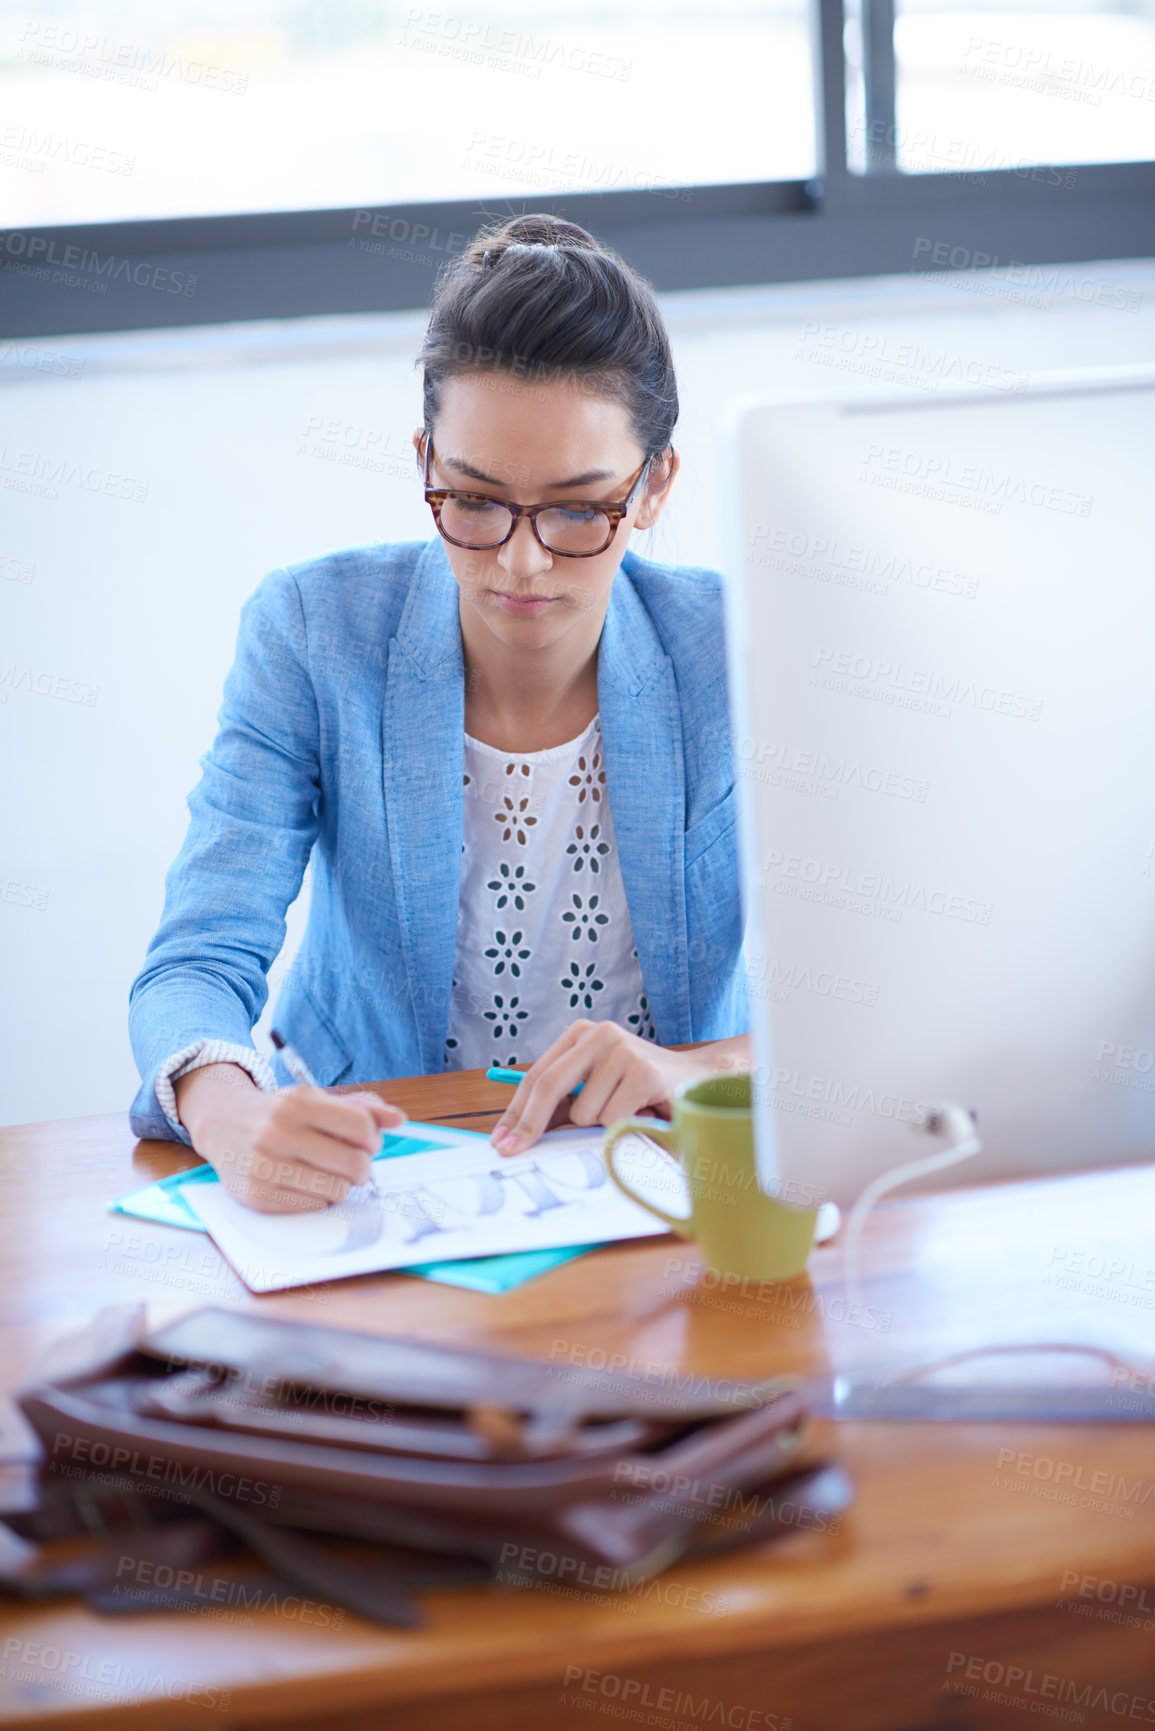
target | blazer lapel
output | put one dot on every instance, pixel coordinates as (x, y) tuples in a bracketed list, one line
[(641, 722), (423, 739)]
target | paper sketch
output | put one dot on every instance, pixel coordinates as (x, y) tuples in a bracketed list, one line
[(461, 1200)]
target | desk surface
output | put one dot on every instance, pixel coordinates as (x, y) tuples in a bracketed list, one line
[(970, 1549)]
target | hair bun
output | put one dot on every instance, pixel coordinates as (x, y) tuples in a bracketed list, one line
[(539, 298), (539, 229)]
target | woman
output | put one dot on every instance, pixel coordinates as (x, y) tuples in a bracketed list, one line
[(506, 750)]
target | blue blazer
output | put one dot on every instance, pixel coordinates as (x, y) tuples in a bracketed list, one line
[(341, 738)]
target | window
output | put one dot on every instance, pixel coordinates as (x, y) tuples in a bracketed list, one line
[(211, 160), (199, 109), (979, 89)]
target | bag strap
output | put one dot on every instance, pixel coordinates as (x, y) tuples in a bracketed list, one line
[(641, 1542), (296, 1561), (719, 1463), (379, 1593), (805, 1501), (96, 1568)]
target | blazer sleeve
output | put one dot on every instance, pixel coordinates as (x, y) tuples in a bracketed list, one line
[(253, 821)]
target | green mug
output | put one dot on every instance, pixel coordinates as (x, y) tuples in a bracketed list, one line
[(743, 1234)]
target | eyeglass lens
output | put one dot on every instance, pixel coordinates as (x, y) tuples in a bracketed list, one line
[(486, 522)]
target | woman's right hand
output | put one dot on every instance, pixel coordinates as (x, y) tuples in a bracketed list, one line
[(287, 1152)]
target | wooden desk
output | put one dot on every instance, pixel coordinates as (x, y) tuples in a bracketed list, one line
[(958, 1553)]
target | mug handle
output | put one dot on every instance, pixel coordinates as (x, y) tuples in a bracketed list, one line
[(662, 1133)]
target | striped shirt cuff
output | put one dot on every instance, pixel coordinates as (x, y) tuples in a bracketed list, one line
[(203, 1052)]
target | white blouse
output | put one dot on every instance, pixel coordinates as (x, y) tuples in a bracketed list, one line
[(543, 931)]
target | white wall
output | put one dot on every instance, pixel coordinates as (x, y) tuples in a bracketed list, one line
[(243, 447)]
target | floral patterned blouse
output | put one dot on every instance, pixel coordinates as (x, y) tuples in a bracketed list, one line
[(543, 931)]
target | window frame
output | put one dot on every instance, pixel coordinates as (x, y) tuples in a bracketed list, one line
[(179, 271)]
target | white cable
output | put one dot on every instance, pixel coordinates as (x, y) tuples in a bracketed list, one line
[(947, 1120)]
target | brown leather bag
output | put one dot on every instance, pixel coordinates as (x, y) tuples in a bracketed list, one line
[(429, 1464)]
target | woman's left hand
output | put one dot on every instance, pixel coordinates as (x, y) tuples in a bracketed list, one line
[(622, 1075)]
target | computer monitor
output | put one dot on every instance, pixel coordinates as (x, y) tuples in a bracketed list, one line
[(941, 639)]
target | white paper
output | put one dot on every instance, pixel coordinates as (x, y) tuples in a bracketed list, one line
[(448, 1203)]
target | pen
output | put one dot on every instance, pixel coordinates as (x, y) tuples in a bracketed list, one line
[(293, 1061), (300, 1072), (496, 1074)]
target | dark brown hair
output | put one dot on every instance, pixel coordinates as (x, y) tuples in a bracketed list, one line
[(541, 299)]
